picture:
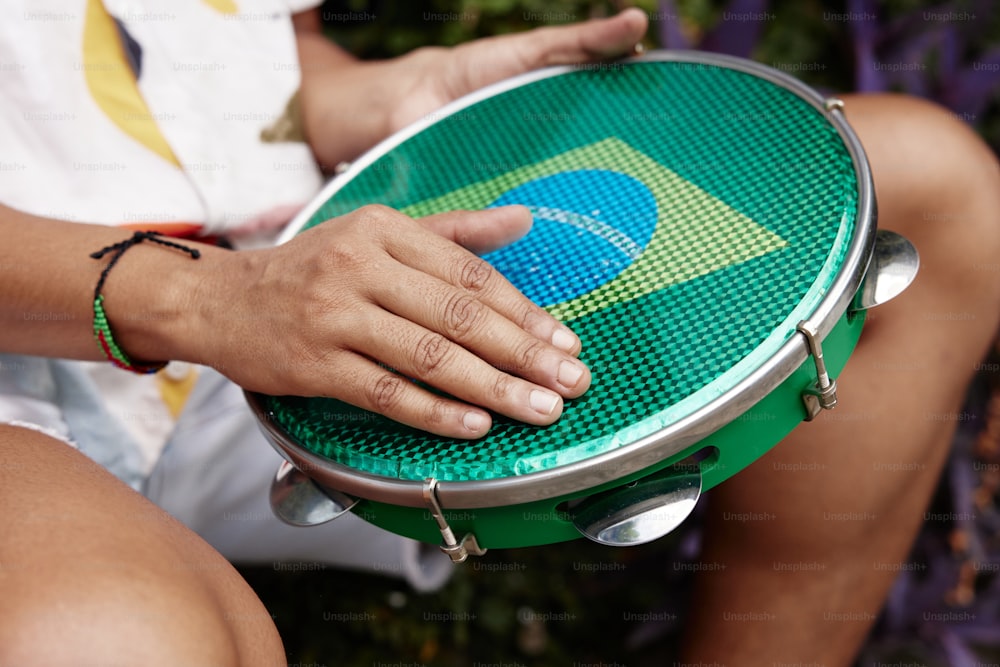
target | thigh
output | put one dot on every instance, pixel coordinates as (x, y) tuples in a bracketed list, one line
[(92, 573)]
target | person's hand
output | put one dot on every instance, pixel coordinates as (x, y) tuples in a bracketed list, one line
[(433, 77), (331, 311), (348, 106)]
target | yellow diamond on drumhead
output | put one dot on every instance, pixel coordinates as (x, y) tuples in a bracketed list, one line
[(695, 234)]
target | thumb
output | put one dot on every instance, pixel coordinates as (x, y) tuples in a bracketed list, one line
[(481, 231)]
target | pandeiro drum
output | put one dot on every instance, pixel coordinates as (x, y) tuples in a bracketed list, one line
[(706, 226)]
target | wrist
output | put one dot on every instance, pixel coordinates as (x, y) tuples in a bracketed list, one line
[(150, 298)]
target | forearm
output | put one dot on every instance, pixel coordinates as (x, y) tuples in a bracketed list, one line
[(47, 290), (343, 100)]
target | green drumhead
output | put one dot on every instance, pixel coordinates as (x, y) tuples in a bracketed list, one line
[(687, 217)]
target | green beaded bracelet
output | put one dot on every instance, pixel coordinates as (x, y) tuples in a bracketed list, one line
[(102, 328)]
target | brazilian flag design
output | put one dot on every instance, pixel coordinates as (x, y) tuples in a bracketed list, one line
[(610, 225)]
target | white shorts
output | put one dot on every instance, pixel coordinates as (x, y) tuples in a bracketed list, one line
[(213, 474)]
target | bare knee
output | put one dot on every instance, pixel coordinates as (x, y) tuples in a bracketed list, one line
[(935, 179), (911, 140), (92, 573), (116, 617), (938, 184)]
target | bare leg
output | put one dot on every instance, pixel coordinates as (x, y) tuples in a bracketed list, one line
[(92, 573), (805, 583)]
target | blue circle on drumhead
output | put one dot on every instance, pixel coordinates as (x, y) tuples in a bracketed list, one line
[(589, 226)]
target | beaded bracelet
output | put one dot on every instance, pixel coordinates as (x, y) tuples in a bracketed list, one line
[(102, 329)]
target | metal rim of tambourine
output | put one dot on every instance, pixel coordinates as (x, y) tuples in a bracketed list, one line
[(678, 436)]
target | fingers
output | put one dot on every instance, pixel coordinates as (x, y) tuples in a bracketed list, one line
[(458, 316), (415, 351), (483, 231), (478, 357), (435, 256), (593, 40), (371, 387), (482, 62)]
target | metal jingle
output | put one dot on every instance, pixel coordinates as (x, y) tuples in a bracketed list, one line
[(640, 512), (893, 267), (299, 501)]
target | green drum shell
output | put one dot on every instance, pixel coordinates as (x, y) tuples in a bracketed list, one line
[(728, 434), (725, 452)]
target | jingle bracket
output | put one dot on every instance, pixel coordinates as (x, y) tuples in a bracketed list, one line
[(641, 511), (299, 501), (823, 394), (893, 266), (456, 551)]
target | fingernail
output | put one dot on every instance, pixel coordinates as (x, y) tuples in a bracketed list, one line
[(569, 374), (542, 401), (475, 421), (564, 339)]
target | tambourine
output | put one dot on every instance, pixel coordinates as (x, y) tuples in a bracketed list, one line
[(705, 224)]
